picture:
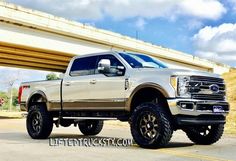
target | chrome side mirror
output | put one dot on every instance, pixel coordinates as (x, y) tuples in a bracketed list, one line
[(104, 66)]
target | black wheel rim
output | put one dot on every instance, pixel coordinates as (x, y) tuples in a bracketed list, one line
[(204, 130), (36, 122), (149, 127), (89, 125)]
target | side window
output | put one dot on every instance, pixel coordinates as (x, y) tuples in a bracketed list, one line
[(114, 64), (83, 66)]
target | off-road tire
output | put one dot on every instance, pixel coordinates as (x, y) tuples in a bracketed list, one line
[(39, 122), (196, 134), (162, 126), (91, 127)]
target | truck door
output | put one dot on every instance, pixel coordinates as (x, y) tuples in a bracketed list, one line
[(76, 85), (108, 90)]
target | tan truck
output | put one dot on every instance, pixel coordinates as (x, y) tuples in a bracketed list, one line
[(137, 88)]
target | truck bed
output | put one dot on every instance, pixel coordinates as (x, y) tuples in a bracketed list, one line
[(51, 89)]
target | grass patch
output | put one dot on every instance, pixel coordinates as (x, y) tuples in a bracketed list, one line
[(11, 115), (230, 80)]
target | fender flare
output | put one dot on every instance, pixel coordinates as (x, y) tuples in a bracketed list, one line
[(38, 92), (142, 86)]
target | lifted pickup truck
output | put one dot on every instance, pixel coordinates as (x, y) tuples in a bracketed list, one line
[(137, 88)]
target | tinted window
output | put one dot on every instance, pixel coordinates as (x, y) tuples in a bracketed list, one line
[(83, 66), (131, 61), (142, 61), (114, 61)]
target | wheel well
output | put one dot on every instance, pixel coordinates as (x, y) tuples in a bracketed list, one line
[(35, 99), (149, 94)]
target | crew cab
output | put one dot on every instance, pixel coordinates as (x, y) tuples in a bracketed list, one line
[(136, 88)]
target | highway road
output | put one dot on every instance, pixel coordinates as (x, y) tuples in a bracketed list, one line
[(15, 144)]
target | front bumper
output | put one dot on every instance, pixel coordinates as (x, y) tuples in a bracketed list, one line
[(193, 107), (183, 120)]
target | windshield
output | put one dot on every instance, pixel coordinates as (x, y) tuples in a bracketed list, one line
[(142, 61)]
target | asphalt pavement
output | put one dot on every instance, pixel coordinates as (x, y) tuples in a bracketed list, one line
[(15, 144)]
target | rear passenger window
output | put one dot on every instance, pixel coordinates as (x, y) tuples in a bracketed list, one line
[(83, 66)]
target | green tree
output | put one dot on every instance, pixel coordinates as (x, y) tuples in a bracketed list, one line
[(51, 76), (14, 97), (15, 101), (4, 96)]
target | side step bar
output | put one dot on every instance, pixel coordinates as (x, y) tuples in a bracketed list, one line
[(90, 118)]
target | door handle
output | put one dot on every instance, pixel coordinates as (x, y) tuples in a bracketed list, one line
[(93, 81), (67, 84)]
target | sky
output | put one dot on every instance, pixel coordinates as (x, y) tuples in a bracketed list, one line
[(203, 28)]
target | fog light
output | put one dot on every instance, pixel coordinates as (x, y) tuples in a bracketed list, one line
[(186, 106)]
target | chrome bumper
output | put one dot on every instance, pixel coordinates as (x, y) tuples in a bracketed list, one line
[(23, 106), (199, 107)]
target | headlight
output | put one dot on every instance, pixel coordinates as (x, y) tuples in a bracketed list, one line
[(180, 84)]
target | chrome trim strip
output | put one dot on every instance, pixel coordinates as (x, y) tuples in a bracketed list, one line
[(89, 104), (97, 100)]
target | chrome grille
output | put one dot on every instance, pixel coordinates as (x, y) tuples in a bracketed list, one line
[(199, 87)]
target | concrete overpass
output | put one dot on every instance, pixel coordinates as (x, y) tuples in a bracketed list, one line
[(37, 40)]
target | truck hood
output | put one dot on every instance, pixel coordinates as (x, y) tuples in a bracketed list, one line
[(170, 72)]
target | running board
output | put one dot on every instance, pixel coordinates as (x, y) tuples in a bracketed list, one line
[(90, 118)]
